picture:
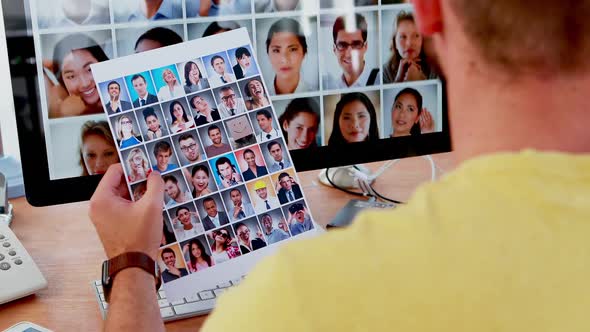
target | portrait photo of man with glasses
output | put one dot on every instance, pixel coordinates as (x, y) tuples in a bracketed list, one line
[(230, 101), (189, 146), (350, 43)]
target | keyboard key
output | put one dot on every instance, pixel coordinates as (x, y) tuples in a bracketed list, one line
[(98, 282), (206, 295), (100, 290), (206, 305), (236, 282), (102, 297), (224, 284), (105, 305), (181, 301), (18, 262), (4, 266), (193, 298), (12, 253), (166, 312), (162, 294), (163, 303), (218, 291), (6, 244)]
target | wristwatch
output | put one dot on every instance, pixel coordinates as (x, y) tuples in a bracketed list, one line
[(112, 266)]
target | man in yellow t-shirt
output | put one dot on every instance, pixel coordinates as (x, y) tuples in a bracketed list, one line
[(500, 244)]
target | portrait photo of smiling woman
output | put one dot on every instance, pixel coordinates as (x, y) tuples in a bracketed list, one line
[(69, 84), (299, 120), (410, 111)]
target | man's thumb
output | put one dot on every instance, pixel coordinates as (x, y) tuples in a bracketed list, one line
[(155, 187)]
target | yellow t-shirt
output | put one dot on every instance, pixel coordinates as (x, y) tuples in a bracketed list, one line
[(500, 244)]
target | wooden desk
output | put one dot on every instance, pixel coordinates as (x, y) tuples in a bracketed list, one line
[(63, 242)]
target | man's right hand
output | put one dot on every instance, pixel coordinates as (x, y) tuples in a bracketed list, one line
[(123, 225)]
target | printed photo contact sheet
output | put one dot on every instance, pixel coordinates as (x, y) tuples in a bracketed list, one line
[(200, 114)]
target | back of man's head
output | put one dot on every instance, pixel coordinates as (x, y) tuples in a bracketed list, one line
[(544, 37)]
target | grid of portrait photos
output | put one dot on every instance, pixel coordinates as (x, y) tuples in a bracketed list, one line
[(230, 189), (337, 71)]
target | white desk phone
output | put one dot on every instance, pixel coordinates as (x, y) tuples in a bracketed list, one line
[(19, 275)]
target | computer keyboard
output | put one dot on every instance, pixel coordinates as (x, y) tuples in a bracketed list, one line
[(197, 304)]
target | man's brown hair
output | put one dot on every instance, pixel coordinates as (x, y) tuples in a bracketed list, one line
[(543, 36)]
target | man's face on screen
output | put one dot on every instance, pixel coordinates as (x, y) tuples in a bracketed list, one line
[(215, 136), (172, 189), (114, 91), (350, 50), (262, 193), (140, 87), (169, 259), (189, 149), (285, 183), (264, 123), (163, 158), (219, 66), (276, 152), (225, 170), (211, 208), (228, 97)]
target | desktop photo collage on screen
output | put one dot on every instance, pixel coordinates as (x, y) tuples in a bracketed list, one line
[(337, 72), (230, 187)]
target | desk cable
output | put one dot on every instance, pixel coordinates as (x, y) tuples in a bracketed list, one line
[(364, 180)]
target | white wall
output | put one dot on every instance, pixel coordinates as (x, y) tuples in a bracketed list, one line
[(7, 118)]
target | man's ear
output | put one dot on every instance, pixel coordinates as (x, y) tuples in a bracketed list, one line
[(428, 16)]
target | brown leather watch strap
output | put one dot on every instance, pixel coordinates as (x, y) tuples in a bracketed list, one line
[(132, 259), (126, 260)]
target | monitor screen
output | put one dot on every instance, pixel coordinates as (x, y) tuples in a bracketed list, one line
[(351, 81)]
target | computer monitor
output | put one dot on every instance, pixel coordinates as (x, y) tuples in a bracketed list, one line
[(351, 81)]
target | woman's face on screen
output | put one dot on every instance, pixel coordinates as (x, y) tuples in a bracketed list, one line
[(78, 78), (408, 40), (126, 126), (250, 159), (404, 114), (137, 162), (194, 72), (169, 76), (286, 54), (98, 154), (200, 180), (195, 250), (301, 131), (354, 122), (178, 111)]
